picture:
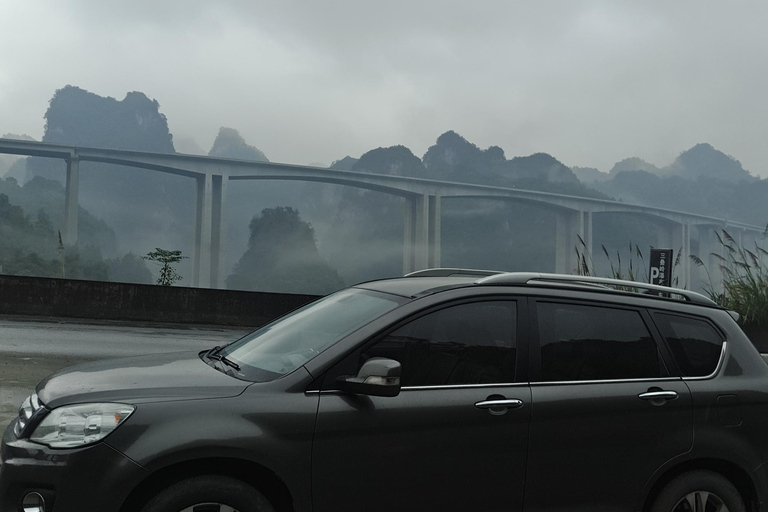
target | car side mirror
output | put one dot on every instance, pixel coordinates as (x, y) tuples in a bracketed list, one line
[(378, 376)]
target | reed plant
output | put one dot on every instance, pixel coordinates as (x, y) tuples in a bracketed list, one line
[(744, 279), (635, 270)]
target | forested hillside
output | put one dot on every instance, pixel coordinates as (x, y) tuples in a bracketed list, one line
[(30, 242)]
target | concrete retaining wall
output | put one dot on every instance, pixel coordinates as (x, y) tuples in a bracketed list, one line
[(138, 302)]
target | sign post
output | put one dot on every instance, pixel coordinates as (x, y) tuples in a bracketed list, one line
[(661, 267)]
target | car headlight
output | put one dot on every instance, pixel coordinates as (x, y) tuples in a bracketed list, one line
[(28, 409), (72, 426)]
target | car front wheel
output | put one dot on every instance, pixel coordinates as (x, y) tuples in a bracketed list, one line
[(699, 491), (211, 493)]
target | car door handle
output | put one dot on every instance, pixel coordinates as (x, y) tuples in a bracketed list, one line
[(658, 395), (507, 403)]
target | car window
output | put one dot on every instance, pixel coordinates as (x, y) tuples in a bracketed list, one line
[(289, 342), (594, 343), (694, 343), (464, 344)]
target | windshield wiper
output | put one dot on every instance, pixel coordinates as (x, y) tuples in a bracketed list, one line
[(215, 354)]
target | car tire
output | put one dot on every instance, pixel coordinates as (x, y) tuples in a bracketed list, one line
[(699, 491), (219, 493)]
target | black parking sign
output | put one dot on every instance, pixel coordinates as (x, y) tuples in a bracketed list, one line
[(661, 267)]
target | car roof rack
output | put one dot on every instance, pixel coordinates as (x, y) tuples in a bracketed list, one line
[(452, 272), (608, 284)]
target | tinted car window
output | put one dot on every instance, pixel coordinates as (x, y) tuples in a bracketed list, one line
[(464, 344), (695, 344), (594, 343)]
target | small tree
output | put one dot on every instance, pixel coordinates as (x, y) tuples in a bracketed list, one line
[(165, 259)]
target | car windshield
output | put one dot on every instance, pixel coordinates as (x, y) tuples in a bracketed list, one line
[(288, 343)]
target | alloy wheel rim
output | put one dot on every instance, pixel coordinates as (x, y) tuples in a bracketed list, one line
[(209, 507), (700, 501)]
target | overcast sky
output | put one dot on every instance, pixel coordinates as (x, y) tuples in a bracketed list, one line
[(590, 82)]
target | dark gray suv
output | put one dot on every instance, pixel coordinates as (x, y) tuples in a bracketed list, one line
[(445, 390)]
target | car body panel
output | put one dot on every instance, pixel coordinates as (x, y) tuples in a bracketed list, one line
[(270, 425), (161, 377), (408, 452), (597, 443), (66, 477), (592, 445)]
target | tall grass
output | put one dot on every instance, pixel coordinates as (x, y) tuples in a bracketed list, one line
[(635, 270), (744, 279)]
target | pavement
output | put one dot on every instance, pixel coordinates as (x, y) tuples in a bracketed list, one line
[(31, 348)]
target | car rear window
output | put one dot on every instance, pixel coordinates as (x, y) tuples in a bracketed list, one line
[(694, 342), (580, 343)]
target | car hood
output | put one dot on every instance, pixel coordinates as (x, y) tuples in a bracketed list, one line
[(151, 378)]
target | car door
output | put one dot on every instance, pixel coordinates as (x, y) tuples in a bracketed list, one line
[(456, 436), (606, 413)]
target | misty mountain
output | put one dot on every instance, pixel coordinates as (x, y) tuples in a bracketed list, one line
[(145, 209), (701, 180), (81, 118), (148, 209), (15, 136), (478, 233), (246, 197), (47, 196), (634, 164), (230, 144), (318, 202), (31, 244), (704, 161), (345, 164), (14, 166), (395, 160), (700, 161), (587, 175), (364, 239), (359, 231), (541, 170), (453, 158), (743, 201), (282, 256), (188, 146)]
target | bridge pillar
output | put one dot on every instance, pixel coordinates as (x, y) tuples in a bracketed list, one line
[(69, 236), (739, 237), (749, 239), (201, 272), (218, 229), (709, 249), (435, 242), (421, 233), (570, 224), (585, 232)]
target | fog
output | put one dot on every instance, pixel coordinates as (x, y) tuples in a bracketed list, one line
[(590, 82), (679, 87)]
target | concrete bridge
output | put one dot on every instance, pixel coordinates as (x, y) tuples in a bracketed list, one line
[(423, 199)]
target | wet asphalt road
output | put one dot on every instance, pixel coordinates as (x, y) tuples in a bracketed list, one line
[(31, 349)]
